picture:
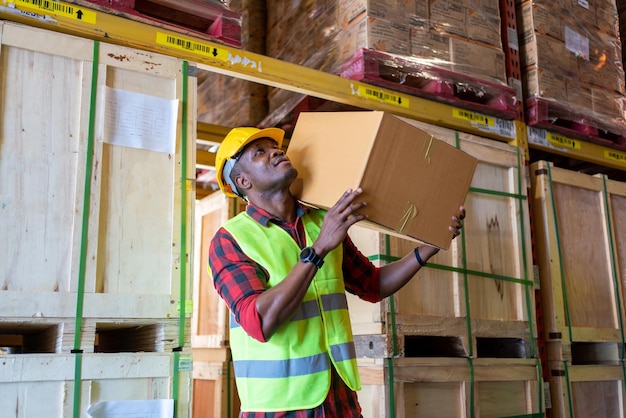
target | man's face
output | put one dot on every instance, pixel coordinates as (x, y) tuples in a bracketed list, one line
[(267, 166)]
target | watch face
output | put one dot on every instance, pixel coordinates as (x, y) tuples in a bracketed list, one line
[(307, 254)]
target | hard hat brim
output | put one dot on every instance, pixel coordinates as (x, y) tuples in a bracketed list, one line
[(276, 134)]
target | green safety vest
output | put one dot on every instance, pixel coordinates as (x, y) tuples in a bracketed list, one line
[(292, 370)]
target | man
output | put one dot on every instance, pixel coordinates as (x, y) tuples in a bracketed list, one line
[(283, 269)]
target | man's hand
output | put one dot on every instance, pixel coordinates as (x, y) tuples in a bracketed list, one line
[(457, 222), (338, 220)]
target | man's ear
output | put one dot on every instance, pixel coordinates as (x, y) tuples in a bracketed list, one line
[(242, 182)]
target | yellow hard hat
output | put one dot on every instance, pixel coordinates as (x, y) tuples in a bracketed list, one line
[(230, 150)]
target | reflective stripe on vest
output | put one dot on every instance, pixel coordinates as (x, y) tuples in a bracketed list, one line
[(291, 370)]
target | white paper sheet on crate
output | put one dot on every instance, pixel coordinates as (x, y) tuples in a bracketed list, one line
[(156, 408), (140, 121)]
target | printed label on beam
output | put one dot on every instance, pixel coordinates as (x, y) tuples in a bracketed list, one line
[(57, 8), (191, 46)]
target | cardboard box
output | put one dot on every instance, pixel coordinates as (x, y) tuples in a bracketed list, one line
[(412, 182), (477, 60)]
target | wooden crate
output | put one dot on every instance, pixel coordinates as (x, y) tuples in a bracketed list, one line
[(214, 389), (122, 237), (586, 390), (580, 224), (210, 320), (43, 385), (449, 388), (477, 298)]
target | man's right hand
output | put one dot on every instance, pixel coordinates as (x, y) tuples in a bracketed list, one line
[(338, 220)]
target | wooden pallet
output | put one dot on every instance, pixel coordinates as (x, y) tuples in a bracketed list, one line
[(409, 76), (116, 238), (586, 390), (481, 306), (588, 126), (198, 18), (580, 226), (449, 388), (43, 385), (101, 335)]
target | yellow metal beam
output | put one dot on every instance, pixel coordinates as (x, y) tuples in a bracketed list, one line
[(543, 140), (211, 133), (75, 18), (205, 158)]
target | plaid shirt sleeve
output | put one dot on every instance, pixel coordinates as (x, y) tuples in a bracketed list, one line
[(361, 276), (238, 280)]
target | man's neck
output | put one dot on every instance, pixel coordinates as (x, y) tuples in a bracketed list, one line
[(281, 206)]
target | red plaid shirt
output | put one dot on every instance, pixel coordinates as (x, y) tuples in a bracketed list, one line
[(239, 281)]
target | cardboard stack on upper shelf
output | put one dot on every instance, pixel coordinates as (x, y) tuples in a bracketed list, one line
[(573, 72), (450, 52)]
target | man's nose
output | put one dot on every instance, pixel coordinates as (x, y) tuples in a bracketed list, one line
[(277, 151)]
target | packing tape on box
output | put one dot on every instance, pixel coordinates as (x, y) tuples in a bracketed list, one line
[(429, 146), (408, 216)]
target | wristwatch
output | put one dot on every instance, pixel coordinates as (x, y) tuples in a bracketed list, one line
[(307, 255)]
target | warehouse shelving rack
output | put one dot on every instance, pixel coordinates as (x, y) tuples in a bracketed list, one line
[(74, 18), (70, 17), (93, 24)]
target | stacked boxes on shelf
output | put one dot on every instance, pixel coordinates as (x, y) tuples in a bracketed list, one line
[(447, 51), (95, 238), (573, 72), (579, 224), (466, 323), (228, 101)]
